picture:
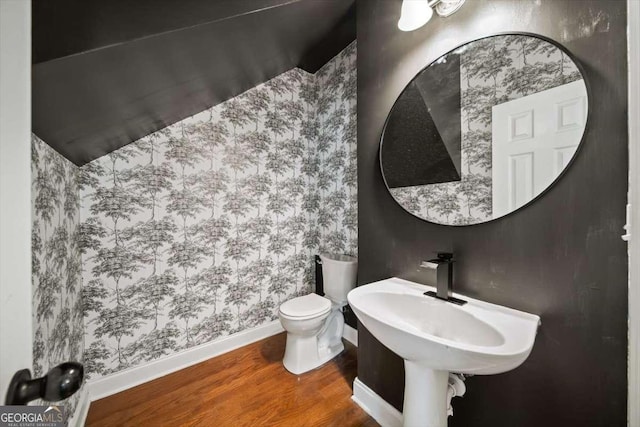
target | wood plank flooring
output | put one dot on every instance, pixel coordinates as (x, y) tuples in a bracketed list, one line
[(245, 387)]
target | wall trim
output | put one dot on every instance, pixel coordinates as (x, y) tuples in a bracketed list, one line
[(350, 334), (79, 417), (633, 220), (123, 380), (381, 411)]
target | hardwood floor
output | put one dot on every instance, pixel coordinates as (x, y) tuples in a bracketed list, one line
[(246, 387)]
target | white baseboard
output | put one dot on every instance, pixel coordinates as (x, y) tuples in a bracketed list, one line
[(385, 414), (79, 417), (120, 381), (350, 334)]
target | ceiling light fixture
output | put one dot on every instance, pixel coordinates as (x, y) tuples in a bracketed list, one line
[(415, 13)]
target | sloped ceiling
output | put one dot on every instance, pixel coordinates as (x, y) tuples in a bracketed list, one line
[(106, 73)]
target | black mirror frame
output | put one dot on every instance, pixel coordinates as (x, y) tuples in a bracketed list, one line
[(560, 175)]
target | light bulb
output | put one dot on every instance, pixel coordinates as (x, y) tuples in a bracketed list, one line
[(414, 14)]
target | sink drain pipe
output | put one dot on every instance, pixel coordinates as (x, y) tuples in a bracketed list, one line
[(456, 388)]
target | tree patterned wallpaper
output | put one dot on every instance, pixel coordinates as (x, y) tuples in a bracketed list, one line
[(493, 70), (202, 229), (58, 329), (333, 141)]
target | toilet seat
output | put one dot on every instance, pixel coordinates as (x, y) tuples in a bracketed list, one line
[(305, 307)]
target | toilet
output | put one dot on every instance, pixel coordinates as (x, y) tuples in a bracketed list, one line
[(314, 324)]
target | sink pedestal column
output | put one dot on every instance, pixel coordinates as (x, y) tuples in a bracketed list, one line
[(425, 396)]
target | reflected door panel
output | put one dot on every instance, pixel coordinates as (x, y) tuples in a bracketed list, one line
[(533, 140)]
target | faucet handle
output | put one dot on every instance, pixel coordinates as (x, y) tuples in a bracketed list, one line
[(429, 265)]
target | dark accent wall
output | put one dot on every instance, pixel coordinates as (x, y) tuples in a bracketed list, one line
[(422, 136), (561, 257), (69, 27), (439, 85), (414, 152)]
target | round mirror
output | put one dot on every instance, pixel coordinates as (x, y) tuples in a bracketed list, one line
[(484, 129)]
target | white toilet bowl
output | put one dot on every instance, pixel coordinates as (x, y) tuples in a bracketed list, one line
[(314, 324)]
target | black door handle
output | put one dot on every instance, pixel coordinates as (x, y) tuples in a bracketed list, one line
[(59, 383)]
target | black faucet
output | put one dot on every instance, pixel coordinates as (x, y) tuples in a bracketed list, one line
[(443, 265)]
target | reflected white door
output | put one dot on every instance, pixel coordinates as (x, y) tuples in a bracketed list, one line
[(534, 138)]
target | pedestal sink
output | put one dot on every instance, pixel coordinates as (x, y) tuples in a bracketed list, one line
[(436, 337)]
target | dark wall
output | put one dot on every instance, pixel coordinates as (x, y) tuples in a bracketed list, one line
[(69, 27), (561, 257), (414, 152), (422, 137), (118, 71), (439, 85)]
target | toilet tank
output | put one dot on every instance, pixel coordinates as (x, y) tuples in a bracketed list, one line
[(338, 276)]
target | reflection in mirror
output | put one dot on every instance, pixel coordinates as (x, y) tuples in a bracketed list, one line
[(484, 129)]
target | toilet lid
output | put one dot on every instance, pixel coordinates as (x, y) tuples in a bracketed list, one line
[(307, 305)]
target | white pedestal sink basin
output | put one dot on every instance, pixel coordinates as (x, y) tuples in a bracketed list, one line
[(436, 337)]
